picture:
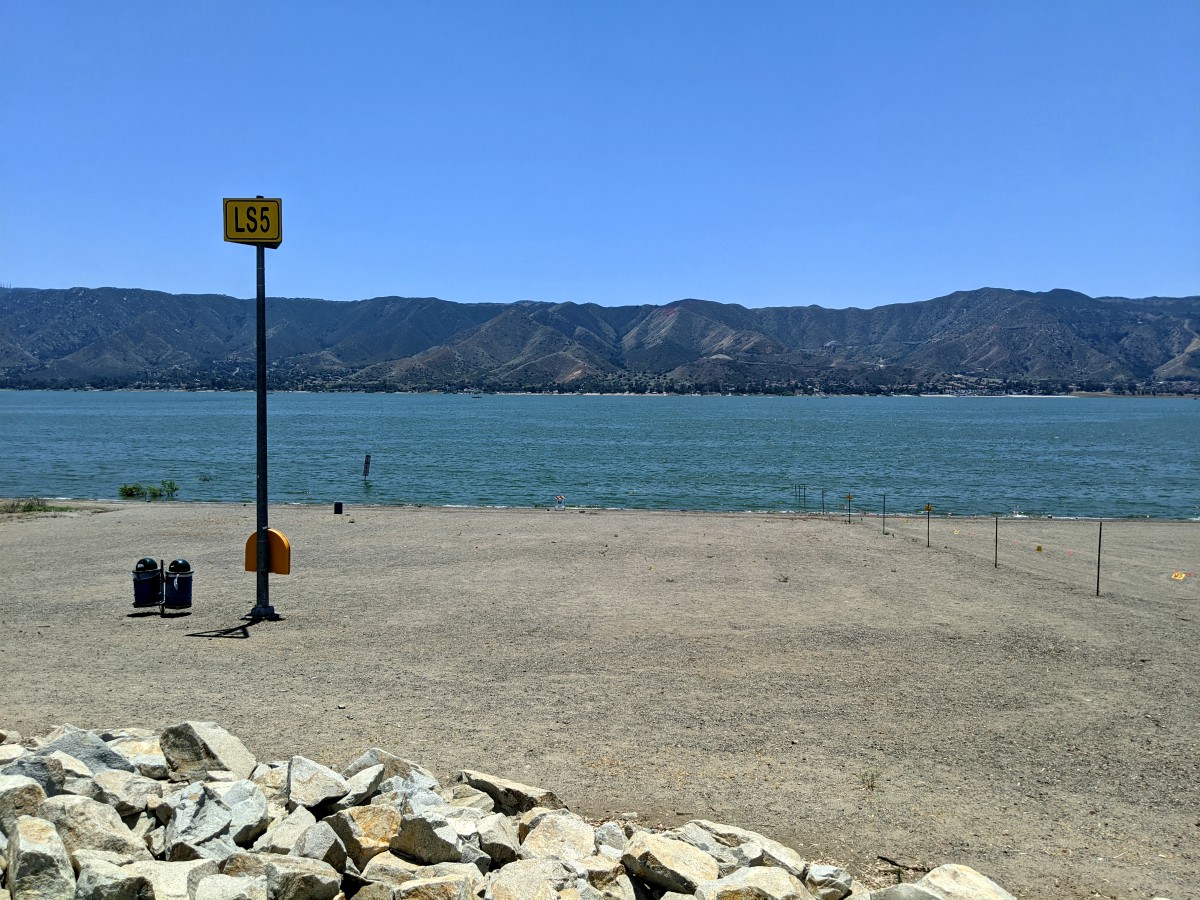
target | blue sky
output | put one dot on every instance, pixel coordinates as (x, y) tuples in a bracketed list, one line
[(764, 153)]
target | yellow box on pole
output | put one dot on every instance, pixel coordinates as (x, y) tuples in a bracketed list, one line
[(279, 552), (256, 220)]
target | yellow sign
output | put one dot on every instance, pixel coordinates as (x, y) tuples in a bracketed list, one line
[(279, 553), (256, 221), (928, 508)]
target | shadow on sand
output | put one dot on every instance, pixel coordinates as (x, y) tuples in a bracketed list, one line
[(240, 632)]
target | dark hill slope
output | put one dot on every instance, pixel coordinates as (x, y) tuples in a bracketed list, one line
[(122, 337)]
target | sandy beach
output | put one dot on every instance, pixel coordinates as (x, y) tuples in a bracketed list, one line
[(847, 691)]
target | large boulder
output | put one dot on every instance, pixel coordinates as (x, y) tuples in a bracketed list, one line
[(283, 836), (429, 837), (173, 880), (362, 786), (902, 892), (45, 771), (38, 865), (773, 852), (193, 749), (668, 863), (439, 887), (311, 784), (529, 879), (756, 883), (510, 797), (498, 838), (19, 796), (126, 792), (393, 766), (321, 842), (828, 882), (199, 819), (87, 824), (231, 887), (300, 878), (564, 836), (247, 806), (388, 868), (366, 831), (955, 882), (89, 750), (100, 879)]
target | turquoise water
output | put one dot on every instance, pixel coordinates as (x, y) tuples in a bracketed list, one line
[(1058, 456)]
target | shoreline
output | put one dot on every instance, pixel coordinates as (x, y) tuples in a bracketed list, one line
[(830, 515)]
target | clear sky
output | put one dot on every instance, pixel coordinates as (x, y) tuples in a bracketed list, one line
[(842, 153)]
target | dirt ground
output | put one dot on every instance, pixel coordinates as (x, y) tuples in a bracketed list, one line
[(843, 690)]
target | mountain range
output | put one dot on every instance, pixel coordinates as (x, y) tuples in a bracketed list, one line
[(988, 339)]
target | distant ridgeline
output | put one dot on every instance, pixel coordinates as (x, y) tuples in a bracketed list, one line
[(983, 341)]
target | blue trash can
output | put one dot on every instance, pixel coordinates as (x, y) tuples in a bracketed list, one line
[(147, 583), (177, 589)]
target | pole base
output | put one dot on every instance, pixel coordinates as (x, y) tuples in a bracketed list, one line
[(264, 612)]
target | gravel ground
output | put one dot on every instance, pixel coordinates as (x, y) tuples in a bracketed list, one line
[(843, 690)]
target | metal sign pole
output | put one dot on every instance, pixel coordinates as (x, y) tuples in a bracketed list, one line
[(260, 222), (262, 606)]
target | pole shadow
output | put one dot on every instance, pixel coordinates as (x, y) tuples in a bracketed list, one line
[(239, 632)]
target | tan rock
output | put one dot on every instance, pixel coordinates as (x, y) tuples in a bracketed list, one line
[(668, 863), (561, 837), (774, 853), (393, 766), (231, 887), (19, 796), (282, 838), (828, 882), (88, 824), (126, 792), (366, 830), (510, 797), (498, 838), (955, 882), (249, 865), (100, 879), (298, 878), (756, 883), (465, 795), (39, 867), (194, 748), (320, 842), (173, 880), (444, 887), (310, 784), (388, 868), (376, 890), (528, 879)]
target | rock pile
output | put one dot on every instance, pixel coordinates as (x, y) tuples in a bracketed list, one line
[(190, 814)]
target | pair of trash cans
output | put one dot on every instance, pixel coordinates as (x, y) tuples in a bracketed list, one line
[(167, 588)]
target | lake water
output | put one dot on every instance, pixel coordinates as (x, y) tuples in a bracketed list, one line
[(1058, 456)]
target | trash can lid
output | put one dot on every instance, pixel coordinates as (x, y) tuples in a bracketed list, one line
[(179, 565), (146, 564)]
